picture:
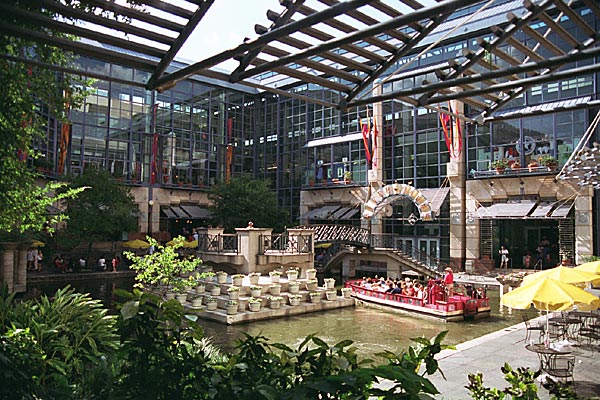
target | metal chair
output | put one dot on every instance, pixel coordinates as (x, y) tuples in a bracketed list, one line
[(560, 367), (530, 327)]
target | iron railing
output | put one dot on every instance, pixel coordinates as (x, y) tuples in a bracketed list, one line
[(286, 243), (220, 243), (391, 242)]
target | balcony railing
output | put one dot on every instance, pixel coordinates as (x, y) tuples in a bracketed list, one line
[(286, 243), (221, 243)]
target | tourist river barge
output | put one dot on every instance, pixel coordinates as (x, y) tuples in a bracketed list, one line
[(458, 307)]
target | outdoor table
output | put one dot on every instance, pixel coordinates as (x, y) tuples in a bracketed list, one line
[(544, 353), (567, 324)]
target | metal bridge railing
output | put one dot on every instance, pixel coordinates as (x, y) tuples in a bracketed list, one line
[(221, 243), (391, 242), (286, 243)]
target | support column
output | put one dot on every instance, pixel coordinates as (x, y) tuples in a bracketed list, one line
[(458, 180), (8, 264), (20, 284), (584, 230)]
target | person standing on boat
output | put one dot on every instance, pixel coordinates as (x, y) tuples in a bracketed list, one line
[(449, 281)]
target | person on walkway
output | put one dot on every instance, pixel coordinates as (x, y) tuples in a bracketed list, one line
[(81, 263), (39, 260), (31, 252), (449, 281), (115, 263), (503, 257), (102, 263)]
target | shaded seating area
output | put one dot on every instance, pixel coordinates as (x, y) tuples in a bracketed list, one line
[(560, 367), (533, 327)]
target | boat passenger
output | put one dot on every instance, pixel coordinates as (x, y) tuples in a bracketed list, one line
[(449, 281)]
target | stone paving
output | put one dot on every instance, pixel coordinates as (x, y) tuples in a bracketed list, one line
[(488, 353)]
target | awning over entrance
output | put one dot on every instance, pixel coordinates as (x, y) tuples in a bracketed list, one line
[(196, 212), (186, 212), (436, 198), (331, 213), (506, 210), (525, 209), (350, 214), (562, 211)]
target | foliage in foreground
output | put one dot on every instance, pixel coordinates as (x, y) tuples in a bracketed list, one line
[(68, 347), (522, 386)]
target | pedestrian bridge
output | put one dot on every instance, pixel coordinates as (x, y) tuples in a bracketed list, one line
[(260, 250)]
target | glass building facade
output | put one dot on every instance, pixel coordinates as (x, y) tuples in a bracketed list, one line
[(201, 132)]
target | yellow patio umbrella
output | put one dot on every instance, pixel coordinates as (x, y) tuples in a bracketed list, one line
[(550, 295), (189, 245), (592, 266), (37, 243), (566, 275), (136, 244)]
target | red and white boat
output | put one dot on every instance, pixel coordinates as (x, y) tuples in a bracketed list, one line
[(457, 307)]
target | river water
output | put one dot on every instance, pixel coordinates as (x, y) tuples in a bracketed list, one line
[(371, 330)]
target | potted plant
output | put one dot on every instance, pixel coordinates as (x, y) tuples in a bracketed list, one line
[(500, 165), (164, 268), (311, 273), (294, 299), (294, 287), (331, 295), (221, 277), (329, 283), (208, 276), (231, 307), (514, 164), (548, 161), (254, 304), (212, 303), (311, 284), (347, 177), (346, 292), (275, 289), (292, 274), (233, 292), (255, 291), (197, 301), (200, 287), (275, 275), (275, 302), (215, 290), (315, 297), (237, 279), (254, 277)]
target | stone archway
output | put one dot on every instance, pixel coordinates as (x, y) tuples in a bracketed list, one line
[(373, 205)]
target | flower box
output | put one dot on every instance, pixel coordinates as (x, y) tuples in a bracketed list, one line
[(254, 304), (215, 290), (237, 279), (221, 277), (275, 302), (329, 283), (254, 278), (232, 307), (275, 289), (311, 284), (331, 295), (211, 303), (233, 292), (346, 292), (255, 291), (315, 297), (292, 275), (275, 276), (294, 287), (294, 299), (311, 273)]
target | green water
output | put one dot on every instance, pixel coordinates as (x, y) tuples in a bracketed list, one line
[(371, 330)]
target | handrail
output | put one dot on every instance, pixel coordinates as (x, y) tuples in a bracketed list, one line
[(219, 243), (285, 243)]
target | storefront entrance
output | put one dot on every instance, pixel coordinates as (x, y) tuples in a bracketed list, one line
[(537, 238)]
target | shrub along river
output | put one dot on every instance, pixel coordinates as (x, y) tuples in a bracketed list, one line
[(371, 330)]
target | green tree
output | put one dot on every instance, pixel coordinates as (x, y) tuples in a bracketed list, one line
[(102, 211), (30, 98), (246, 199)]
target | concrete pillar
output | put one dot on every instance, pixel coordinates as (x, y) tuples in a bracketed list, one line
[(8, 253), (458, 181), (20, 284), (584, 230), (249, 246)]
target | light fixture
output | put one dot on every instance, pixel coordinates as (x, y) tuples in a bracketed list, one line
[(151, 203)]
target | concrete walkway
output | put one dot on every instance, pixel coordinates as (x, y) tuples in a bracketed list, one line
[(487, 354)]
